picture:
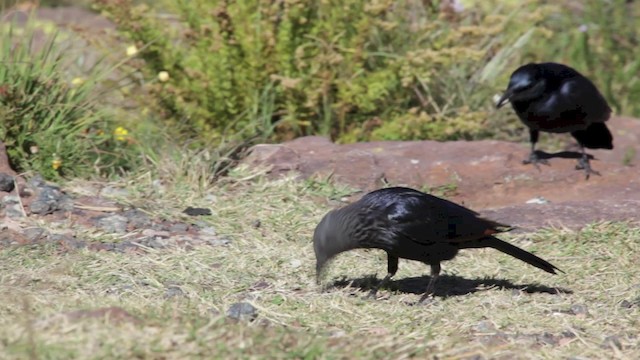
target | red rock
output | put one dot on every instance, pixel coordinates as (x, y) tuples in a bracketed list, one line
[(484, 174)]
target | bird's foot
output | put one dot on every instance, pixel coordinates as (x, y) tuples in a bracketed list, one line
[(535, 161), (426, 299), (371, 295), (583, 164)]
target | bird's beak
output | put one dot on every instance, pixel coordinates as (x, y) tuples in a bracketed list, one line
[(504, 99)]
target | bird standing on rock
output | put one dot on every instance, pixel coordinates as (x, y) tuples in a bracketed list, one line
[(410, 224), (555, 98)]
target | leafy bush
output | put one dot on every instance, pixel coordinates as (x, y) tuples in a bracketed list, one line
[(330, 67), (52, 124)]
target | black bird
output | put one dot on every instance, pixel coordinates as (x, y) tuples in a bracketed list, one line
[(410, 224), (555, 98)]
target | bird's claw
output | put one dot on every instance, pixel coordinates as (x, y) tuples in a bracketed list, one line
[(535, 161), (371, 295), (426, 299), (584, 164)]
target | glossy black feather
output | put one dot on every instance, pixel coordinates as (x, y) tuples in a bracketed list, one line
[(567, 102), (410, 224)]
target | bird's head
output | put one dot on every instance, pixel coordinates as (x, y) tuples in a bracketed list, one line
[(526, 83), (329, 239)]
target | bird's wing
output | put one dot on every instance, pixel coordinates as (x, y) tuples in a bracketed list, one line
[(577, 99), (427, 219)]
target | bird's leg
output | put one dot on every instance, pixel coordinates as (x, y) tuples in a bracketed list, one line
[(435, 273), (584, 164), (533, 157), (392, 268)]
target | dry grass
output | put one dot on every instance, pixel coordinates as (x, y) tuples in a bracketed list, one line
[(482, 309)]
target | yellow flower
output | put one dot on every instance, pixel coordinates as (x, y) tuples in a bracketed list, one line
[(120, 133), (77, 81), (132, 50), (163, 76), (56, 163)]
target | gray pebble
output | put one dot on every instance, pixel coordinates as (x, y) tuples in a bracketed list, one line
[(179, 227), (113, 224), (484, 326), (242, 311), (35, 233), (137, 218), (173, 291), (208, 230), (111, 191), (216, 241), (158, 243), (68, 241), (37, 181), (50, 199), (612, 341), (579, 309), (12, 208), (6, 182)]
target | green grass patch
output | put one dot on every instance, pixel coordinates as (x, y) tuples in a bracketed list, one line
[(488, 310)]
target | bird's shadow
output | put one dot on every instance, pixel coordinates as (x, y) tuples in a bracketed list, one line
[(446, 286), (542, 155)]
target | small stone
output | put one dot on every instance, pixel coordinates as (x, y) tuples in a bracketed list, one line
[(538, 200), (179, 227), (216, 241), (630, 304), (546, 339), (113, 224), (156, 233), (114, 192), (137, 219), (626, 304), (49, 199), (162, 226), (37, 181), (157, 184), (125, 246), (191, 211), (484, 326), (296, 263), (67, 241), (7, 183), (12, 207), (579, 309), (173, 291), (34, 234), (41, 207), (158, 243), (242, 311), (208, 230), (611, 341)]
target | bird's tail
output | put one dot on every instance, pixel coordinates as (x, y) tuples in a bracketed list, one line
[(596, 136), (516, 252)]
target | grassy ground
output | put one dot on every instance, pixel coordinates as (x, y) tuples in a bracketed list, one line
[(488, 305)]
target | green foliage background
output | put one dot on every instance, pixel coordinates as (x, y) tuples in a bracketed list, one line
[(253, 70), (366, 70)]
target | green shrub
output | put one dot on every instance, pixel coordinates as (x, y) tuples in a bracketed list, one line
[(51, 123), (329, 67)]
